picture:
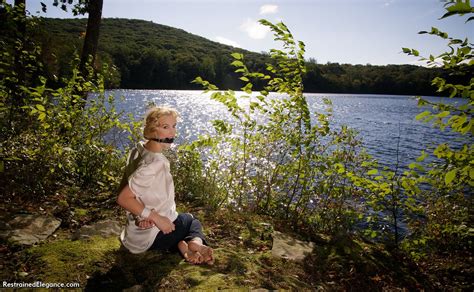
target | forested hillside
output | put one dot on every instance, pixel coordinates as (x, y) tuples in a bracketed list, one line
[(147, 55)]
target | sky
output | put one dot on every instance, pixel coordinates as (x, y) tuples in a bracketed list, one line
[(337, 31)]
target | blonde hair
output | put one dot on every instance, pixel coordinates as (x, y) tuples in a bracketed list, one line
[(152, 119)]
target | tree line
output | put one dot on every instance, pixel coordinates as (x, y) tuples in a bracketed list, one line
[(145, 55)]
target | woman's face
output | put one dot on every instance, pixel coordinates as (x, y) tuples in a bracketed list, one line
[(166, 128)]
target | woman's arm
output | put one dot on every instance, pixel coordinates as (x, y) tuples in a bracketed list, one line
[(127, 200)]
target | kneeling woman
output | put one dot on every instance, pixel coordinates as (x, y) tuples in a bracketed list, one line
[(147, 193)]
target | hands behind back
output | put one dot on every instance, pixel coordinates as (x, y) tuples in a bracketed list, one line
[(163, 223), (144, 223), (155, 219)]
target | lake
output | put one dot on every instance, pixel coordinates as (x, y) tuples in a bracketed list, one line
[(383, 121)]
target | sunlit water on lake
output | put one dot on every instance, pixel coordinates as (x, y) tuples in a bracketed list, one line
[(383, 121)]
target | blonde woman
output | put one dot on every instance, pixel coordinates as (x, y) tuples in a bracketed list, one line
[(147, 194)]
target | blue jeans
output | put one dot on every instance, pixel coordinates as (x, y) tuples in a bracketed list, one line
[(186, 228)]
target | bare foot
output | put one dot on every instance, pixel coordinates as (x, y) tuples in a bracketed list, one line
[(189, 255), (194, 257), (206, 252)]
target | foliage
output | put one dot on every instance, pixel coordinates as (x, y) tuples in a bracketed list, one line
[(277, 159), (78, 8), (448, 201), (432, 199), (54, 139), (274, 156)]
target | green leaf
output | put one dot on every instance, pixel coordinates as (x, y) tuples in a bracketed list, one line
[(372, 172), (237, 64), (450, 176), (422, 156), (422, 115), (237, 56), (458, 7), (442, 114), (40, 107), (340, 168), (197, 80), (247, 88)]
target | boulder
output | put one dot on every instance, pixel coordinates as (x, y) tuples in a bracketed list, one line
[(104, 228), (287, 247), (30, 229)]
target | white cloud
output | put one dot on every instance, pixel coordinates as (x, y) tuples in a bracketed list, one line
[(254, 29), (268, 9), (226, 41)]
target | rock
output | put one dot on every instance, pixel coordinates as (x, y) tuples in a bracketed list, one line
[(104, 228), (285, 246), (31, 229)]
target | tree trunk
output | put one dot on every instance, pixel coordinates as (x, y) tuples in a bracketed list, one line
[(91, 40)]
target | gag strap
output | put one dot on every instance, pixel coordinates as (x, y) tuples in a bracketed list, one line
[(164, 140)]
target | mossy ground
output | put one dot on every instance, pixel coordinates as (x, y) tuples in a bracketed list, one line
[(242, 252), (242, 244)]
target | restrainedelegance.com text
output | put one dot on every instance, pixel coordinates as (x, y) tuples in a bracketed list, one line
[(39, 284)]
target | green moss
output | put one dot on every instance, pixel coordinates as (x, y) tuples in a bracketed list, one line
[(203, 279), (80, 212), (223, 274), (72, 261), (236, 269)]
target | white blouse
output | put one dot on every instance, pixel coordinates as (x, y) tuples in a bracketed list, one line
[(150, 180)]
